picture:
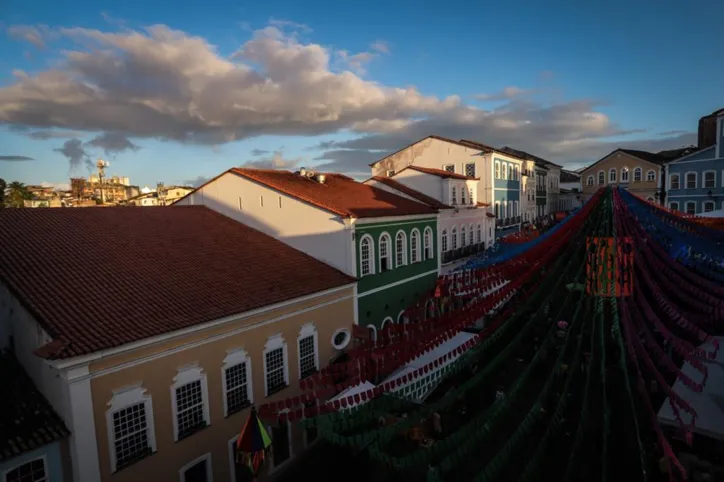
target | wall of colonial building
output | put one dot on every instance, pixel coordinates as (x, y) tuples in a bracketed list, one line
[(148, 375), (307, 228), (608, 172)]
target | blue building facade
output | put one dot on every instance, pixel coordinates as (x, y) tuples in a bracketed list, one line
[(506, 194), (695, 183)]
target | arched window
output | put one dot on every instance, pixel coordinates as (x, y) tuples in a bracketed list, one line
[(385, 262), (454, 241), (601, 178), (428, 242), (674, 182), (589, 181), (400, 249), (612, 175), (401, 318), (366, 256), (624, 174), (414, 246), (463, 199), (470, 234), (505, 171), (463, 240), (497, 170), (373, 333), (479, 234), (651, 176), (637, 174), (454, 195), (385, 322), (443, 240)]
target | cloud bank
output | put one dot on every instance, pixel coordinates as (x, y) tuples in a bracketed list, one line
[(165, 84)]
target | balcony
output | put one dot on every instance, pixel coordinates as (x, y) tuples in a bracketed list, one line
[(507, 222), (464, 252)]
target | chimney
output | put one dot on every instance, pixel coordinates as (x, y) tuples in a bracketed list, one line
[(707, 131), (321, 178)]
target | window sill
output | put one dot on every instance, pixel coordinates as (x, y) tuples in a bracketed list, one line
[(276, 390), (238, 409), (192, 432), (134, 461)]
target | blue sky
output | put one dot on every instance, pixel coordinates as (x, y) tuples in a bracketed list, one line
[(283, 83)]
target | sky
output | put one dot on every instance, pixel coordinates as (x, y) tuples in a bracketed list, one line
[(177, 93)]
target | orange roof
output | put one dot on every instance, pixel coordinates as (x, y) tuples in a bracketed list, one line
[(89, 276), (442, 173), (411, 192), (339, 194)]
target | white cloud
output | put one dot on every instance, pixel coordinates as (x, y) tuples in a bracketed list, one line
[(34, 35), (166, 84)]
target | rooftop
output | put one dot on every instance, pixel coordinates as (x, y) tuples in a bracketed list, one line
[(27, 421), (442, 173), (100, 278), (338, 194), (528, 157), (569, 176), (424, 198)]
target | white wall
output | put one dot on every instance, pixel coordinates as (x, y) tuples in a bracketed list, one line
[(464, 217), (437, 154), (384, 187), (309, 229), (433, 186)]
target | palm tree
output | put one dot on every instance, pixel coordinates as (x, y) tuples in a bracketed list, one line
[(17, 193)]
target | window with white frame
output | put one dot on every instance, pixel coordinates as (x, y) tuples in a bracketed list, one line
[(454, 196), (276, 373), (199, 470), (400, 249), (449, 167), (510, 209), (637, 174), (674, 181), (463, 197), (236, 378), (497, 209), (497, 170), (709, 179), (624, 174), (589, 181), (33, 471), (189, 398), (505, 170), (130, 427), (463, 240), (454, 236), (515, 208), (674, 205), (479, 234), (307, 344), (690, 207), (601, 178), (471, 235), (427, 246), (470, 169), (612, 175), (443, 241), (472, 196), (385, 261), (366, 255), (708, 206), (651, 175), (414, 245), (690, 180)]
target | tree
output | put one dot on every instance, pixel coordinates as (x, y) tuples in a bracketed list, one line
[(3, 185), (17, 194)]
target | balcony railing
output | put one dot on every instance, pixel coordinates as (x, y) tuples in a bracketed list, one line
[(463, 252), (505, 222)]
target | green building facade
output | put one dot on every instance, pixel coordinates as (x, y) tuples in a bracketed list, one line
[(390, 284)]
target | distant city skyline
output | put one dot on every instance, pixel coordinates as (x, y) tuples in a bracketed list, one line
[(180, 95)]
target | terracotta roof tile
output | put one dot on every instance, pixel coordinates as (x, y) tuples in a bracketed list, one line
[(411, 192), (442, 173), (339, 194), (27, 421), (100, 278)]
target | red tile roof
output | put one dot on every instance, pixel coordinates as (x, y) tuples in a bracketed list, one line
[(442, 173), (100, 278), (411, 192), (339, 194)]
